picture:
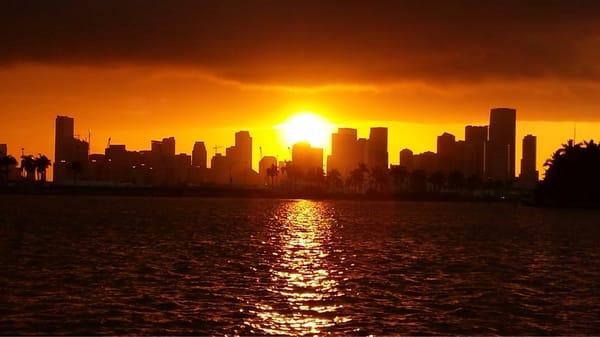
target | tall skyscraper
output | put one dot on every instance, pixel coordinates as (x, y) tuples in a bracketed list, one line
[(475, 141), (406, 159), (199, 155), (529, 175), (377, 148), (446, 153), (362, 144), (307, 158), (63, 139), (500, 150), (168, 147), (344, 151), (243, 144), (67, 149)]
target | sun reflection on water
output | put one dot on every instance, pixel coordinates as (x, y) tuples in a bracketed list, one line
[(304, 283)]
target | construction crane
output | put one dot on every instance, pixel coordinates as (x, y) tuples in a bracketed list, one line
[(216, 148)]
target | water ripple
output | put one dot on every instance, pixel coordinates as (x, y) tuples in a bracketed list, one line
[(295, 267)]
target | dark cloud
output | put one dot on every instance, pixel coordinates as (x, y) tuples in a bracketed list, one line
[(314, 42)]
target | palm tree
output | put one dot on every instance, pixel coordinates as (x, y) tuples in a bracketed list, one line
[(334, 179), (378, 177), (356, 178), (76, 168), (315, 176), (291, 172), (473, 181), (572, 174), (272, 172), (456, 180), (28, 165), (41, 164), (418, 181), (399, 175), (6, 162), (437, 180)]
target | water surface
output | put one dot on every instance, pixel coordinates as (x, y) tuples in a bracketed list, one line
[(106, 265)]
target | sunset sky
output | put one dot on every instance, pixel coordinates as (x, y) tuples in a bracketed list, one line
[(201, 70)]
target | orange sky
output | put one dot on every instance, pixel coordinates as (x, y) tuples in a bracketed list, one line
[(198, 70), (133, 105)]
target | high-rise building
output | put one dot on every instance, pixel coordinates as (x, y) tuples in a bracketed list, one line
[(446, 152), (243, 145), (475, 141), (67, 149), (529, 175), (377, 148), (220, 169), (426, 162), (407, 159), (63, 139), (345, 155), (3, 150), (307, 158), (162, 160), (500, 149), (182, 168), (168, 147), (362, 144), (118, 163), (199, 155)]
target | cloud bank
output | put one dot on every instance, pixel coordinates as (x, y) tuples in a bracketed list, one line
[(314, 42)]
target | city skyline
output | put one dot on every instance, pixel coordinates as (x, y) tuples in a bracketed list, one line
[(300, 168), (487, 152)]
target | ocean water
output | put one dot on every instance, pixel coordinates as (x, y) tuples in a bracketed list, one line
[(193, 266)]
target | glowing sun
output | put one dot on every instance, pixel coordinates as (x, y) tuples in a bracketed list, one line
[(306, 127)]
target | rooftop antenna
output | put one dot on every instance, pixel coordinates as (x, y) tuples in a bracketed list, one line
[(260, 149), (108, 143), (574, 132)]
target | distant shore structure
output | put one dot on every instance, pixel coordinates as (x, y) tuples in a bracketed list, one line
[(487, 154)]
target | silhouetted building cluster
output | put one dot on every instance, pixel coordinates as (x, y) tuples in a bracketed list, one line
[(349, 152), (487, 153), (159, 166)]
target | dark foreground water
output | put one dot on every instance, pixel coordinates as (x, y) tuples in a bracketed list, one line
[(84, 265)]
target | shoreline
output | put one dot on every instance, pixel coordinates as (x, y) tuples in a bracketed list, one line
[(240, 192)]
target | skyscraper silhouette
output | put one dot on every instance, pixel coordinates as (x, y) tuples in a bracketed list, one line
[(475, 141), (500, 150), (243, 145), (199, 155), (529, 174), (377, 148), (407, 159), (307, 158), (67, 149), (3, 150), (345, 155), (446, 152), (168, 147)]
